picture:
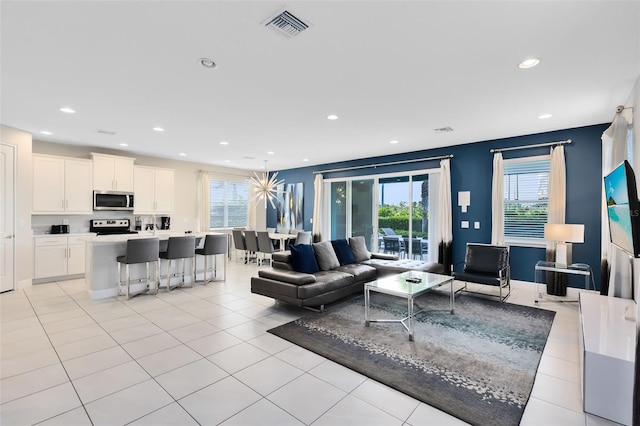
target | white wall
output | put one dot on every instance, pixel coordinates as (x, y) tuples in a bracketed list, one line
[(24, 241)]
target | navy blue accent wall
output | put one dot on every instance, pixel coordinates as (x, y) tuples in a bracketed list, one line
[(471, 170)]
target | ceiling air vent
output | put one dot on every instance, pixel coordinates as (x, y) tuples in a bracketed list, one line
[(443, 129), (286, 24), (106, 132)]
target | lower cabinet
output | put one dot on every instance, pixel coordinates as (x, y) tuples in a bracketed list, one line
[(57, 256), (608, 343)]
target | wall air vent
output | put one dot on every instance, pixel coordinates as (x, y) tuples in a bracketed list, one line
[(443, 129), (106, 132), (285, 24)]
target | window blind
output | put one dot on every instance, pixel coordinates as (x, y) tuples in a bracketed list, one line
[(526, 196)]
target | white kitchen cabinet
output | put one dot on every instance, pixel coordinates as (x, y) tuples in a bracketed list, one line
[(112, 173), (57, 256), (153, 189), (62, 185)]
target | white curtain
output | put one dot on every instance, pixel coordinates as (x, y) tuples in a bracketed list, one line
[(253, 206), (614, 264), (556, 283), (203, 201), (497, 201), (445, 216), (317, 208), (557, 186)]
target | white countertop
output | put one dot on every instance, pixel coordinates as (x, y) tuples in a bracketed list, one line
[(163, 235), (72, 234)]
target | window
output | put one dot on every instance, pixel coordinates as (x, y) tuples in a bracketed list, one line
[(228, 203), (526, 197)]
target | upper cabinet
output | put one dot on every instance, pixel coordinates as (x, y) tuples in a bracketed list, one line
[(62, 185), (153, 190), (112, 173)]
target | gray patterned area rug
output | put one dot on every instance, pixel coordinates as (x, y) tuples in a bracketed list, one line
[(478, 364)]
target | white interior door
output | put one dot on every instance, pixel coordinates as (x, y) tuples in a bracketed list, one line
[(7, 218)]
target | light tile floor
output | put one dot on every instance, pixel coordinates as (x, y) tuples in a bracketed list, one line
[(202, 356)]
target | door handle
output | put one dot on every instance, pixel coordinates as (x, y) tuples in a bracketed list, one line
[(10, 236)]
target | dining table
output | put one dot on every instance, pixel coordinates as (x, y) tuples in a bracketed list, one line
[(282, 237)]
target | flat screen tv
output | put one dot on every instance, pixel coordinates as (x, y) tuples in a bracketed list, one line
[(623, 208)]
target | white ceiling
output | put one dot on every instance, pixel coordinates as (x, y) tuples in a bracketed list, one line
[(391, 70)]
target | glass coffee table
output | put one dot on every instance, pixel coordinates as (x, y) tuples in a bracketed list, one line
[(408, 285)]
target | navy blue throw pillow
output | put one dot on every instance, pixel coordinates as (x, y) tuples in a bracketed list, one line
[(303, 259), (343, 251)]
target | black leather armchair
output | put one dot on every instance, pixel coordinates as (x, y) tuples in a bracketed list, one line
[(486, 264)]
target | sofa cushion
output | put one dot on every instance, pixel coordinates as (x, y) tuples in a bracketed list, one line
[(292, 277), (326, 281), (325, 256), (359, 249), (343, 251), (303, 259), (359, 271), (386, 267)]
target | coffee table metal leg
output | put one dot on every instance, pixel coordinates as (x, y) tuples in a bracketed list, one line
[(366, 306), (410, 319), (451, 297)]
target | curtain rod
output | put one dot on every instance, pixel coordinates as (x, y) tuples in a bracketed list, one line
[(568, 141), (391, 163)]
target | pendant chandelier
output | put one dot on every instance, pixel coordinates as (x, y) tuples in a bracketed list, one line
[(265, 187)]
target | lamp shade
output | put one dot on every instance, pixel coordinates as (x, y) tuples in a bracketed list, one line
[(563, 232)]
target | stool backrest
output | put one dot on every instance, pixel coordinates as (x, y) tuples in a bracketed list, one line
[(140, 250), (215, 244), (181, 247)]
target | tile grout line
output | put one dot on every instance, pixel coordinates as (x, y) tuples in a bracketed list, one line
[(60, 360)]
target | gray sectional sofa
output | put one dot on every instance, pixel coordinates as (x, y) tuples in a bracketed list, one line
[(338, 273)]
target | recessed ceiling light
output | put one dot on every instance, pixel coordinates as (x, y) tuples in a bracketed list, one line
[(394, 142), (262, 167), (543, 116), (270, 152), (124, 144), (227, 161), (182, 154), (529, 63), (158, 129), (224, 143), (332, 117), (208, 63), (45, 132), (68, 110), (305, 159)]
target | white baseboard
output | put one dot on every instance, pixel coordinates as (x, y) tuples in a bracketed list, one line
[(571, 291), (21, 285), (103, 294)]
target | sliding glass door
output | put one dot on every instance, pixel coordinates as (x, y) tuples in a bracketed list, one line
[(395, 213)]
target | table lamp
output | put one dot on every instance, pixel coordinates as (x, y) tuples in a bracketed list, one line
[(564, 235)]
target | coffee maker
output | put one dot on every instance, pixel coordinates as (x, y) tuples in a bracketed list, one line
[(165, 222)]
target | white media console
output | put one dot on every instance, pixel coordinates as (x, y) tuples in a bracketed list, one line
[(608, 344)]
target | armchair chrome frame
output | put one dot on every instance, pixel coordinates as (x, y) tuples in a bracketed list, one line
[(500, 277)]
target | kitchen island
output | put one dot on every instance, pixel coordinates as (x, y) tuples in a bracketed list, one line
[(101, 273)]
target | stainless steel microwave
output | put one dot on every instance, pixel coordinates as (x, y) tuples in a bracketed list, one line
[(112, 200)]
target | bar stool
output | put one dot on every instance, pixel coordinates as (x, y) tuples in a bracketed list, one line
[(139, 250), (179, 248), (214, 244)]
